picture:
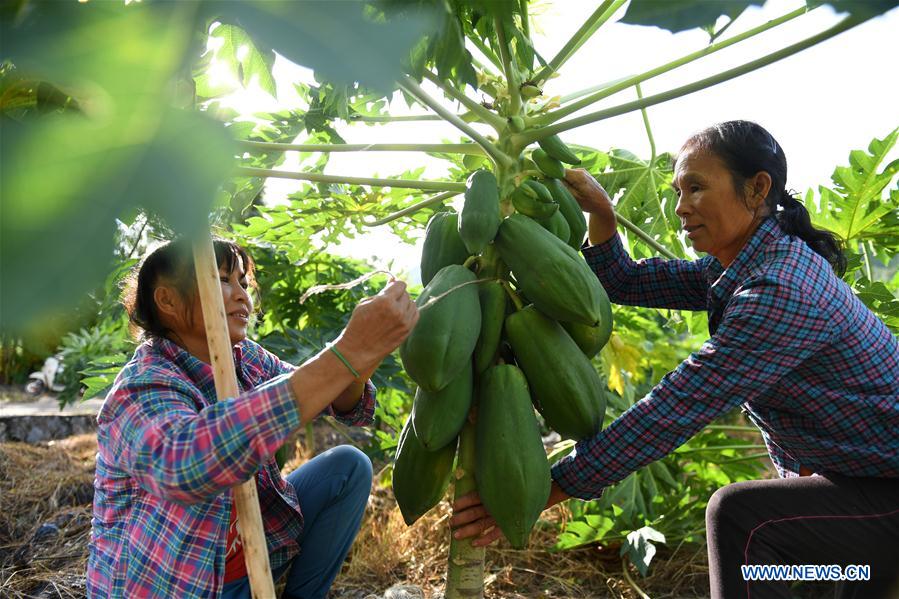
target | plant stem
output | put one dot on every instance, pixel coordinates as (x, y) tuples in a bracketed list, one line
[(410, 209), (613, 87), (415, 90), (465, 571), (490, 54), (488, 117), (590, 26), (845, 24), (508, 68), (248, 171), (395, 119), (630, 581), (525, 24), (652, 142), (718, 448), (463, 148), (868, 272), (721, 31), (592, 89), (732, 427), (745, 458), (646, 238), (516, 299)]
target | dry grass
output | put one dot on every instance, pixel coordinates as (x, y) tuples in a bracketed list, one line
[(52, 484)]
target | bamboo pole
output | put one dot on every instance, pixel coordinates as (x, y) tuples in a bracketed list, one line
[(246, 500)]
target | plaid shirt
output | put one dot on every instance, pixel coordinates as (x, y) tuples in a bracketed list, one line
[(168, 456), (815, 370)]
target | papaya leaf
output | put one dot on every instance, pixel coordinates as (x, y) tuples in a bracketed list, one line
[(334, 38), (680, 15), (243, 59), (644, 195), (857, 204), (639, 547)]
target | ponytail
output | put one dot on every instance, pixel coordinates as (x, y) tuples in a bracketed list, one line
[(795, 220), (746, 149)]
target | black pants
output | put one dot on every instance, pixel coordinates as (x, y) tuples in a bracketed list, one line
[(811, 520)]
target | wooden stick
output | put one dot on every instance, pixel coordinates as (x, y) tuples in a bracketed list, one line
[(246, 500)]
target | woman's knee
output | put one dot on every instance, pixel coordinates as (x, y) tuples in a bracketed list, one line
[(726, 503), (355, 463)]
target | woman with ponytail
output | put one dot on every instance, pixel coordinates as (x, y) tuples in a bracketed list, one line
[(790, 343)]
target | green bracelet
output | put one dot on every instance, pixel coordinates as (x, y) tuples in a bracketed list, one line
[(344, 360)]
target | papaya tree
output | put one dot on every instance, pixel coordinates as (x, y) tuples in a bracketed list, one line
[(125, 143)]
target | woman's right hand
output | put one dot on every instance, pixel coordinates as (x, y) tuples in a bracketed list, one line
[(594, 200), (377, 326)]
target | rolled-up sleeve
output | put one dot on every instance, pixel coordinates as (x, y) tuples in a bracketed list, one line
[(765, 332)]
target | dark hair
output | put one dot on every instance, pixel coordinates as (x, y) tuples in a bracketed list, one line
[(746, 148), (173, 264)]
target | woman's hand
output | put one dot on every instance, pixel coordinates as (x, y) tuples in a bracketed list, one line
[(594, 200), (470, 517), (377, 326)]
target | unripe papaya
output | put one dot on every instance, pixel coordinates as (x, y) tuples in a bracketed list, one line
[(556, 148), (592, 339), (550, 272), (480, 216), (438, 417), (548, 165), (516, 124), (529, 90), (442, 341), (443, 245), (570, 209), (511, 470), (526, 201), (557, 225), (420, 477), (542, 192), (493, 312), (567, 389)]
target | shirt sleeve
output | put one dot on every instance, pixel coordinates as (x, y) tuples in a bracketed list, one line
[(180, 453), (765, 332), (652, 283)]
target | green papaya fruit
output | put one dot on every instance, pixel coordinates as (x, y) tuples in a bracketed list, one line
[(566, 388), (526, 201), (549, 272), (516, 124), (556, 148), (529, 90), (443, 245), (557, 225), (511, 468), (438, 417), (592, 339), (480, 216), (571, 210), (548, 165), (493, 312), (420, 477), (542, 192), (442, 341)]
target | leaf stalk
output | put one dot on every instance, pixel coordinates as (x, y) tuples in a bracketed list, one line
[(247, 171)]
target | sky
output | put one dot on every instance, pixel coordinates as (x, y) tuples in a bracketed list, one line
[(819, 104)]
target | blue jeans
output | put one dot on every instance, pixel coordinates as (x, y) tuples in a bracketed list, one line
[(333, 490)]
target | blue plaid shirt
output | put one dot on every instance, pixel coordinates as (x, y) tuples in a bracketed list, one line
[(814, 369)]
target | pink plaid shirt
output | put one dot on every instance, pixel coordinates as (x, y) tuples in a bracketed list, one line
[(168, 457)]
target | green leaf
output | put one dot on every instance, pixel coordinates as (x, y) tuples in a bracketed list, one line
[(644, 195), (335, 39), (680, 15), (243, 58), (639, 547), (858, 205)]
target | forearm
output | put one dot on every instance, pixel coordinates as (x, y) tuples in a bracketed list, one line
[(324, 380), (600, 227)]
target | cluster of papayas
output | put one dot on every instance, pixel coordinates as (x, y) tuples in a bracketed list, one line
[(510, 317)]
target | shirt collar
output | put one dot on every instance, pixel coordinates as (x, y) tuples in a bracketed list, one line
[(199, 372), (724, 281)]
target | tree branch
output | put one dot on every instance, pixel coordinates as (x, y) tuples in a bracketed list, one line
[(463, 148), (247, 171), (410, 209), (415, 90), (593, 22), (494, 120), (845, 24), (607, 89)]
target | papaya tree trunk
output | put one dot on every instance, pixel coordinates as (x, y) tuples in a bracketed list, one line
[(465, 571)]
